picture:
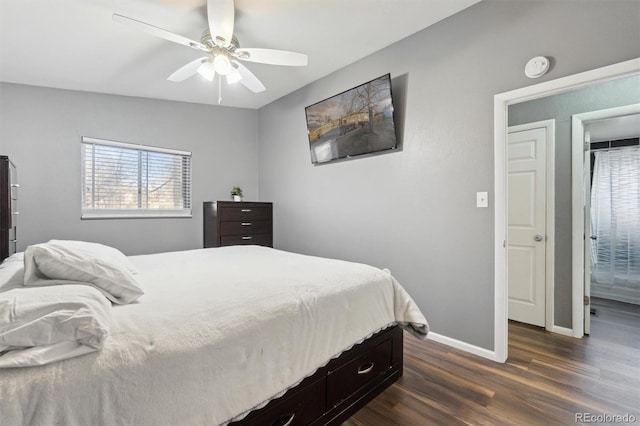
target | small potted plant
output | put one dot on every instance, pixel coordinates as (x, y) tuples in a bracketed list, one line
[(236, 193)]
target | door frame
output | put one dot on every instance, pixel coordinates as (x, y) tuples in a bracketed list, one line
[(501, 103), (579, 216), (550, 136)]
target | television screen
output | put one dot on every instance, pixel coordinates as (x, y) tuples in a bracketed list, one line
[(356, 122)]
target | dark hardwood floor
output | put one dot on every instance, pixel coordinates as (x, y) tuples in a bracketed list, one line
[(547, 379)]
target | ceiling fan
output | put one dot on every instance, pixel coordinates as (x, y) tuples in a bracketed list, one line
[(223, 52)]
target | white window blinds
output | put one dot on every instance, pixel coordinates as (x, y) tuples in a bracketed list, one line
[(127, 180)]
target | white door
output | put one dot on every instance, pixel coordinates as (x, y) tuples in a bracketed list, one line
[(526, 225)]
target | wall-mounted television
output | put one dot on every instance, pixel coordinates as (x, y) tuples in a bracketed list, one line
[(353, 123)]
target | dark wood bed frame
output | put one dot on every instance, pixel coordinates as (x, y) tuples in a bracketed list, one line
[(329, 396), (339, 389)]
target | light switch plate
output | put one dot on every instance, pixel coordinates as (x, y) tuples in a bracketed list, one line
[(482, 199)]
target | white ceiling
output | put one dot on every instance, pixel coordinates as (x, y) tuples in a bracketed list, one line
[(75, 44)]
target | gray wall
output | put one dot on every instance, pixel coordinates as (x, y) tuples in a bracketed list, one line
[(561, 107), (41, 129), (413, 211)]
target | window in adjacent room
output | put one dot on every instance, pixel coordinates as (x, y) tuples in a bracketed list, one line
[(122, 180)]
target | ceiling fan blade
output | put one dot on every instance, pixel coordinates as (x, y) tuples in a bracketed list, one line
[(188, 70), (249, 80), (273, 57), (158, 32), (221, 14)]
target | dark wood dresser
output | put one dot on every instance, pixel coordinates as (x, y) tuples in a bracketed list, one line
[(229, 223), (8, 208)]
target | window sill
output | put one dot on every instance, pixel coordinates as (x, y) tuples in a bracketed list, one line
[(136, 215)]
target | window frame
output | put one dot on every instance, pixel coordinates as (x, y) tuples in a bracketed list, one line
[(135, 213)]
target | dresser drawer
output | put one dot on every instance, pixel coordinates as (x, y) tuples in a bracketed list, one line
[(347, 379), (249, 227), (301, 408), (244, 213), (257, 239)]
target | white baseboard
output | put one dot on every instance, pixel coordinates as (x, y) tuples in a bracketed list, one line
[(482, 352), (562, 330), (626, 295), (476, 350)]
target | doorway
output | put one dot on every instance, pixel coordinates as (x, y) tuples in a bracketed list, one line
[(612, 230), (501, 103), (581, 209), (612, 204)]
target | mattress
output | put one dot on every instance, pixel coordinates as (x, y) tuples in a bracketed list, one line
[(218, 332)]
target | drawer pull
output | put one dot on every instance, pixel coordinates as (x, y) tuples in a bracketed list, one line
[(284, 420), (15, 185), (246, 224), (247, 238), (246, 210), (15, 212), (364, 369), (13, 241)]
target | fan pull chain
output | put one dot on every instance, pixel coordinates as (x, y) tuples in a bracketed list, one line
[(219, 89)]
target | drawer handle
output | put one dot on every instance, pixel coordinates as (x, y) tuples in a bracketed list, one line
[(246, 224), (247, 238), (246, 210), (15, 212), (284, 420), (15, 185), (364, 369), (13, 241)]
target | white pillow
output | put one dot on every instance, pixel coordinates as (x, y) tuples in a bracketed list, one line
[(43, 324), (12, 272), (58, 262), (107, 253)]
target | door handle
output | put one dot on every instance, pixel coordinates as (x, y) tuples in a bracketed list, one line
[(538, 237), (593, 237)]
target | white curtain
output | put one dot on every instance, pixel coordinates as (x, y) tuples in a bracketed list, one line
[(615, 222)]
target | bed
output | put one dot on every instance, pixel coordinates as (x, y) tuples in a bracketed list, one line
[(239, 335)]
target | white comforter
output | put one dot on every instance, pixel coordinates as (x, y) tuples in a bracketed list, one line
[(218, 332)]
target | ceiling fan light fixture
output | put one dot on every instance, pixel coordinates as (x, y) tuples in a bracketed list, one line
[(207, 70), (222, 49), (233, 76), (222, 65)]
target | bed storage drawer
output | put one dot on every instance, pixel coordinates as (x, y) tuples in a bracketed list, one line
[(301, 408), (347, 379), (336, 389)]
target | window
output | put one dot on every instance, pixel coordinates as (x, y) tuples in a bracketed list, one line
[(126, 180), (615, 224)]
